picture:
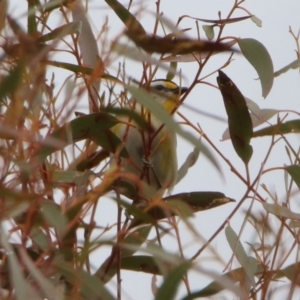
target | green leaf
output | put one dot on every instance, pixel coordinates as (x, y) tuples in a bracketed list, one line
[(40, 239), (256, 20), (294, 172), (10, 82), (281, 211), (173, 207), (110, 142), (135, 238), (259, 117), (151, 44), (22, 288), (46, 286), (125, 16), (31, 18), (91, 161), (183, 205), (93, 126), (90, 286), (53, 4), (293, 65), (62, 31), (189, 162), (199, 201), (209, 31), (172, 71), (130, 113), (292, 273), (259, 57), (222, 21), (140, 263), (226, 281), (80, 69), (239, 120), (3, 12), (279, 129), (88, 46), (70, 176), (53, 214), (172, 281), (194, 57), (249, 264)]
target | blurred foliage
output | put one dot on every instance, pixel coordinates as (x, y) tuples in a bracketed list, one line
[(54, 167)]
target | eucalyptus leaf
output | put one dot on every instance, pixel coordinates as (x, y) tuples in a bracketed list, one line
[(259, 57), (93, 126), (60, 32), (292, 126), (239, 120)]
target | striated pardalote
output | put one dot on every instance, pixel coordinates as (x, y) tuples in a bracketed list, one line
[(151, 166)]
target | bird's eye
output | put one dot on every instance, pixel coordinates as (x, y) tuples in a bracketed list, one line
[(159, 87)]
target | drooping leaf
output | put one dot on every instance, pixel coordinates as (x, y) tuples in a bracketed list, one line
[(3, 13), (172, 71), (281, 211), (239, 120), (199, 201), (292, 273), (293, 65), (22, 288), (135, 238), (130, 113), (31, 17), (209, 31), (259, 57), (53, 214), (53, 4), (92, 160), (195, 56), (183, 205), (226, 281), (11, 81), (93, 126), (87, 42), (140, 263), (60, 32), (256, 20), (259, 117), (110, 142), (40, 238), (174, 46), (189, 162), (127, 17), (282, 128), (219, 21), (80, 69), (294, 172), (88, 46), (47, 287), (217, 286), (172, 281), (248, 263), (90, 286)]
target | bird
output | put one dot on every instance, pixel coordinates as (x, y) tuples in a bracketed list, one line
[(151, 165)]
